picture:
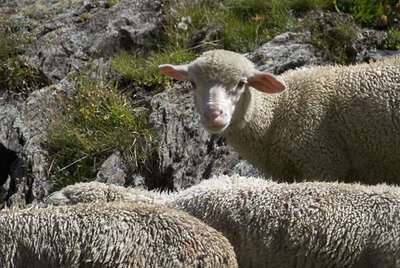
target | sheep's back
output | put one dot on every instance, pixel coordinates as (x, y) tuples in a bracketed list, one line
[(301, 224)]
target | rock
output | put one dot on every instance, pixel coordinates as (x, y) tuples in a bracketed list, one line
[(24, 177), (113, 170), (185, 153), (284, 52)]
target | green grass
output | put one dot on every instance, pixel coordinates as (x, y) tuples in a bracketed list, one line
[(243, 25), (97, 121), (143, 71)]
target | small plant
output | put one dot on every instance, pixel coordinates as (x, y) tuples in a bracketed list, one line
[(143, 71), (111, 3), (97, 122), (85, 16), (19, 78), (392, 40)]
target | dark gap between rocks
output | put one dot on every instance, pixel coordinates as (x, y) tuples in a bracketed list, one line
[(7, 159)]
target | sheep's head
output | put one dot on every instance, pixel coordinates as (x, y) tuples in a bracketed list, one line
[(219, 79)]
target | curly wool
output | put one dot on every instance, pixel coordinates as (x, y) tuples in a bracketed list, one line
[(311, 224), (110, 235)]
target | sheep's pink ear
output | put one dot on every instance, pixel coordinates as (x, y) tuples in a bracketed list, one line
[(178, 72), (266, 82)]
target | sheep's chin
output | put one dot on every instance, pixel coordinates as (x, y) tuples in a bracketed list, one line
[(215, 129)]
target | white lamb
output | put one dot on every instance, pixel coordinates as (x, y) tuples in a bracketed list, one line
[(326, 123), (110, 235)]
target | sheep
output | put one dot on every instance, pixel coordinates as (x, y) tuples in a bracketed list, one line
[(111, 234), (87, 192), (327, 123), (307, 224)]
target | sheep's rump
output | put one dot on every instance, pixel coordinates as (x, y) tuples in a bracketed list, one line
[(109, 235)]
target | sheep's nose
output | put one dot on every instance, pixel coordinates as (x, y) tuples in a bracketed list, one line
[(213, 114)]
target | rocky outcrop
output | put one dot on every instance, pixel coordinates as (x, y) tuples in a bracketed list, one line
[(23, 122), (286, 51), (80, 31), (75, 35)]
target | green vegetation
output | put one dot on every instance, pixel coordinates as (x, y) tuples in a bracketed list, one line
[(97, 121), (392, 40), (372, 13), (143, 71), (17, 77), (332, 35)]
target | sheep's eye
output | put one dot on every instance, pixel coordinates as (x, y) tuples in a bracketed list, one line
[(241, 83), (193, 84)]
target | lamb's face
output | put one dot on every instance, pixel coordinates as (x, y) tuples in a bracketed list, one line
[(216, 101), (219, 79)]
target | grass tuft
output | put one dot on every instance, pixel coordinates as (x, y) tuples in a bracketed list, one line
[(97, 122), (143, 71)]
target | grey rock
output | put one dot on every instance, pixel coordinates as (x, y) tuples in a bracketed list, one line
[(284, 52), (113, 170), (85, 30), (25, 177)]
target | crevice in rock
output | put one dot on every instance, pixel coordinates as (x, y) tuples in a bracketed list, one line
[(7, 160)]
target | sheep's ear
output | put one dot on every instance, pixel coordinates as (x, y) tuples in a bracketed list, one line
[(178, 72), (266, 82)]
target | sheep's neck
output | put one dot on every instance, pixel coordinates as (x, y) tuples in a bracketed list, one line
[(253, 125), (254, 114)]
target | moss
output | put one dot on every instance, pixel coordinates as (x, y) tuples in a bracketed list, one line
[(97, 121), (143, 71), (43, 9), (85, 16)]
